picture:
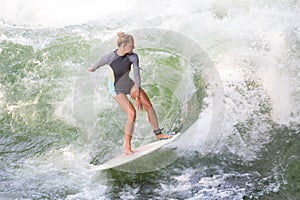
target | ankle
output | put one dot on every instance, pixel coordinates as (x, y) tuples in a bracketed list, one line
[(158, 131)]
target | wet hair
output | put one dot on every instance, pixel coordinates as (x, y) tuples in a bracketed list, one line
[(123, 38)]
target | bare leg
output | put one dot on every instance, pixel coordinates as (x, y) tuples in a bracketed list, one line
[(152, 117), (129, 126)]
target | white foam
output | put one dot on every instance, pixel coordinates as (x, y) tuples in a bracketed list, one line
[(56, 13), (63, 168), (278, 88)]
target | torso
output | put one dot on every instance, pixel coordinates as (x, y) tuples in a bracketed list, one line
[(121, 67)]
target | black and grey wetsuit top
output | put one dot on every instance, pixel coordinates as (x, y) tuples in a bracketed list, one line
[(120, 67)]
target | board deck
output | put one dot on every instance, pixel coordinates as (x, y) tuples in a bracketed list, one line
[(138, 153)]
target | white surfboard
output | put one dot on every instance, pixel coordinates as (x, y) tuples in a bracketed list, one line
[(138, 153)]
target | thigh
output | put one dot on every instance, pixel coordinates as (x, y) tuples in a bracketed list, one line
[(124, 102), (144, 98)]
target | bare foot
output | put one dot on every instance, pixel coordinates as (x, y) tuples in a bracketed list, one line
[(163, 136), (128, 151)]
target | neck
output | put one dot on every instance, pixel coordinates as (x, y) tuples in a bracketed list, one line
[(120, 52)]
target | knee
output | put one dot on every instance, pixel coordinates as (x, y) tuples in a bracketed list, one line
[(147, 106), (131, 114)]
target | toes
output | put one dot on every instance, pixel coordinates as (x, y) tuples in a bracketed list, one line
[(128, 152), (163, 136)]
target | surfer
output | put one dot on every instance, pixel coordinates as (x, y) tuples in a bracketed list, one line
[(121, 85)]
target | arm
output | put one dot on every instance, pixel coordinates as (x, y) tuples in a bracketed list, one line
[(106, 59), (136, 70), (137, 78)]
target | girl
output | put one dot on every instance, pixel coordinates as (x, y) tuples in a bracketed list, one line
[(120, 62)]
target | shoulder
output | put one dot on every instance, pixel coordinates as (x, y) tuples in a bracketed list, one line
[(133, 57), (110, 55)]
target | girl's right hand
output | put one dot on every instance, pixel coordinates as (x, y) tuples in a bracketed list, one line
[(138, 103), (91, 69)]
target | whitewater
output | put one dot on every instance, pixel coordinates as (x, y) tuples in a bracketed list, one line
[(225, 73)]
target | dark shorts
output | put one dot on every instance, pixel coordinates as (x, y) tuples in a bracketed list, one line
[(120, 88)]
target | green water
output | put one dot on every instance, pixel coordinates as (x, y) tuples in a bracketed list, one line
[(46, 146)]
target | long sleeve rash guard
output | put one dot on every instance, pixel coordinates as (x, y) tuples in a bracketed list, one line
[(120, 67)]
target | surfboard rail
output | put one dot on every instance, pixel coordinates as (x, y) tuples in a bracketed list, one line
[(138, 153)]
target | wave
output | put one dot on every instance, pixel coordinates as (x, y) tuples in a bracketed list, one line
[(59, 13), (226, 71)]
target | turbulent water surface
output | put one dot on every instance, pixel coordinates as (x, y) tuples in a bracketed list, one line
[(225, 73)]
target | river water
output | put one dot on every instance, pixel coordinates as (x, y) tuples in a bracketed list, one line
[(226, 73)]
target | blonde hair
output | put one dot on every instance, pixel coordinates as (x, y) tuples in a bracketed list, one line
[(123, 38)]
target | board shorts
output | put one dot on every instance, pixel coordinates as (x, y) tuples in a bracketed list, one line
[(120, 88)]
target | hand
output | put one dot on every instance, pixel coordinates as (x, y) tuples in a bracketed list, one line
[(138, 103), (91, 69)]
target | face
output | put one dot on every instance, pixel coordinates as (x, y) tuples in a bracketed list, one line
[(128, 48)]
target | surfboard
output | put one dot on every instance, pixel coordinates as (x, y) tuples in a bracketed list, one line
[(138, 153)]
